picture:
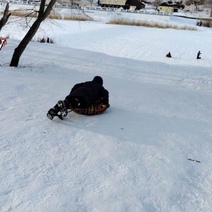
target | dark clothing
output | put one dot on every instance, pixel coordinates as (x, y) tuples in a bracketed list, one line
[(88, 98), (87, 93)]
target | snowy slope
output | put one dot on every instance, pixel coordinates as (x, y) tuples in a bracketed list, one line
[(151, 151)]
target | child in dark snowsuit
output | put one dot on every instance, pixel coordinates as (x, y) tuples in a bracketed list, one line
[(82, 98)]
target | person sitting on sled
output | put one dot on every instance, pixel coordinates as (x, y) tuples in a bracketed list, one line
[(89, 98)]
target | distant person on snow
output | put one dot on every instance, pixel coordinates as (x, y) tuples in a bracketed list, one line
[(89, 98)]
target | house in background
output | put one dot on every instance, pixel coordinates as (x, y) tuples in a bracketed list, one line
[(166, 9), (170, 7), (125, 4), (136, 4)]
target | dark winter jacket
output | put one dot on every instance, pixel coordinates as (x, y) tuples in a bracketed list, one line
[(88, 92)]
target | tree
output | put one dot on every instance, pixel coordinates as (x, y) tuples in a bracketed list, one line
[(91, 2), (208, 3), (43, 12), (196, 3), (188, 2), (5, 17), (156, 3)]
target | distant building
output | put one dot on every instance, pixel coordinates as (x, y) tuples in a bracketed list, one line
[(137, 4), (166, 9), (170, 7), (126, 4)]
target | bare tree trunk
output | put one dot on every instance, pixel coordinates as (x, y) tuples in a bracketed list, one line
[(5, 17), (42, 15), (23, 44)]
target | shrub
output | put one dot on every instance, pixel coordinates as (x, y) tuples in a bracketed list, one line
[(149, 24), (207, 24), (45, 40), (26, 13)]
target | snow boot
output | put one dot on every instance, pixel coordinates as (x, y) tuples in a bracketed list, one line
[(58, 110), (51, 113)]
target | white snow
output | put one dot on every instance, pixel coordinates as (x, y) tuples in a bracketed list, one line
[(150, 151)]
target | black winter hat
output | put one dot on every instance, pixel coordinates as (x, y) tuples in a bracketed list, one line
[(98, 80)]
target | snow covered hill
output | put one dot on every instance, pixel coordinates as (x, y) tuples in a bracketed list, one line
[(150, 151)]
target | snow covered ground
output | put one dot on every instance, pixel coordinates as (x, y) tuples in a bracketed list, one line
[(150, 151)]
